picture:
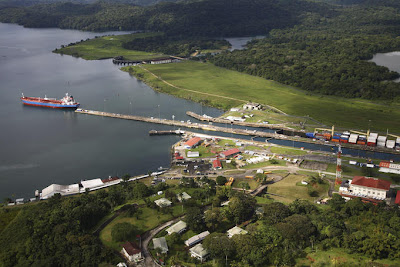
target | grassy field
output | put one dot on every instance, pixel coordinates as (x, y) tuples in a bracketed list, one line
[(108, 47), (289, 191), (339, 257), (204, 78), (287, 151), (265, 164), (252, 183)]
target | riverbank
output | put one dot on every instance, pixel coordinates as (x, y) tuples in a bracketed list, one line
[(224, 89)]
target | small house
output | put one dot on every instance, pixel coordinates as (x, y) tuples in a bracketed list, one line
[(196, 239), (183, 196), (217, 164), (178, 228), (132, 252), (236, 231), (230, 153), (163, 202), (160, 243), (199, 252)]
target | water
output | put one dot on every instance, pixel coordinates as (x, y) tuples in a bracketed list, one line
[(239, 43), (390, 60), (41, 146)]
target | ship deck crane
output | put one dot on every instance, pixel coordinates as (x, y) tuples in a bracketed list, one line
[(325, 129), (357, 132)]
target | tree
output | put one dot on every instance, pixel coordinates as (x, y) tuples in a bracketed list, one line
[(212, 218), (140, 190), (219, 246), (275, 212), (249, 250), (194, 219), (336, 202), (125, 179), (221, 180), (241, 207), (245, 186), (123, 232)]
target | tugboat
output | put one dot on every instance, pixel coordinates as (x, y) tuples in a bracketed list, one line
[(66, 102)]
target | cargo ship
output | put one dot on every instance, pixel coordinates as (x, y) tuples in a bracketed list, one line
[(66, 102)]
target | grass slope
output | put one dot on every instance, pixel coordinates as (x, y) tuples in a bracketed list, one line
[(209, 79), (108, 47)]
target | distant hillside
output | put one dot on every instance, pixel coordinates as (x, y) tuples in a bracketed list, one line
[(36, 2), (196, 18)]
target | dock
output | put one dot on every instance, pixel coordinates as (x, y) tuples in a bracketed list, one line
[(241, 123), (170, 132), (255, 133)]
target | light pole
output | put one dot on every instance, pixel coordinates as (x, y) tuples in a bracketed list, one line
[(173, 120), (159, 112), (130, 108)]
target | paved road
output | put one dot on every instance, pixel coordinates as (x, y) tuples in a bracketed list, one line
[(148, 260)]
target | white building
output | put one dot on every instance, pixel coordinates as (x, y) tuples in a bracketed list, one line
[(163, 202), (366, 187), (63, 190), (178, 228), (196, 239), (160, 243), (183, 196), (236, 231), (91, 184), (193, 154), (199, 252), (252, 106), (132, 252)]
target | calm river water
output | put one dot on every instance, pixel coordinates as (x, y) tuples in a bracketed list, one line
[(390, 60), (42, 146)]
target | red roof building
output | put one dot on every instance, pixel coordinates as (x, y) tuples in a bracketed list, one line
[(397, 201), (371, 182), (132, 251), (192, 142), (110, 179), (217, 164), (230, 153)]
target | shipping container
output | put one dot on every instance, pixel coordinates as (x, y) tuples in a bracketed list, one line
[(371, 141), (353, 138), (335, 140), (375, 135), (398, 141), (381, 144), (382, 138), (390, 143), (310, 135)]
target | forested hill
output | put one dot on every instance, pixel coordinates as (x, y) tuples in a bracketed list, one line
[(195, 18), (328, 55), (36, 2)]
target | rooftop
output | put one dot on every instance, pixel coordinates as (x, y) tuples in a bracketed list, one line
[(196, 238), (199, 250), (371, 182), (236, 231), (163, 202), (184, 196), (217, 163), (177, 227), (160, 243), (131, 248), (231, 152), (193, 141)]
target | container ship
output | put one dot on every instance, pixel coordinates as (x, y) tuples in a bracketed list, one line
[(359, 138), (66, 102)]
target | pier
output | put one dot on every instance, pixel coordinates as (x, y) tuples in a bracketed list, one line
[(255, 133), (170, 132)]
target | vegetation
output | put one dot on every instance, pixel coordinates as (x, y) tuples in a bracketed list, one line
[(210, 82), (108, 47), (192, 18)]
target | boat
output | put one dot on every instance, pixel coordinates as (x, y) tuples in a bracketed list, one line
[(66, 102)]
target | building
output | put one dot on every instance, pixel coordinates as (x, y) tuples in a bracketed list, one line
[(199, 252), (110, 179), (161, 61), (230, 153), (191, 143), (178, 228), (196, 239), (252, 106), (365, 187), (217, 164), (63, 190), (193, 154), (389, 167), (132, 252), (92, 184), (236, 231), (233, 118), (163, 202), (183, 196), (160, 243)]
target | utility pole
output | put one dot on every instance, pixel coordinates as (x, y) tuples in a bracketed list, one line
[(159, 112)]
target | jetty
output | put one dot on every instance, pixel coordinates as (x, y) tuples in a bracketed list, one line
[(241, 123), (170, 132), (254, 133)]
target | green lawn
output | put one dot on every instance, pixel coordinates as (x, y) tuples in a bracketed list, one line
[(290, 191), (207, 78), (265, 164), (108, 47), (252, 183), (287, 151), (204, 152)]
